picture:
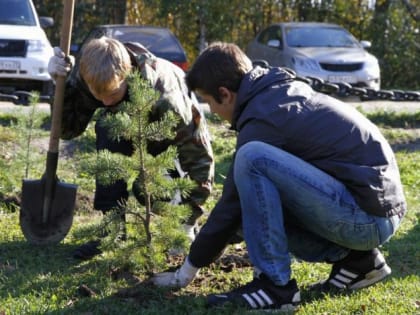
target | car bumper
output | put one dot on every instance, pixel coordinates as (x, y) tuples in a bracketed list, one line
[(356, 78), (29, 68)]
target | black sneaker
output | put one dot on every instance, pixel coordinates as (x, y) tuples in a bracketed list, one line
[(87, 250), (358, 270), (260, 294), (91, 248)]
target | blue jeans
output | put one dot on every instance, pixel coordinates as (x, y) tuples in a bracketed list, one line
[(290, 206)]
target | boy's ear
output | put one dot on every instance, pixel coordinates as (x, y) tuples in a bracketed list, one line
[(225, 94)]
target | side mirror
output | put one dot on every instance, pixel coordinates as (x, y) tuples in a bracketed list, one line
[(365, 44), (46, 21), (275, 43)]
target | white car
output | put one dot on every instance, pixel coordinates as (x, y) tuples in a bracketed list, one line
[(24, 48), (322, 50)]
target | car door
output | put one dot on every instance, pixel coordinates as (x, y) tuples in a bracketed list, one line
[(274, 45), (267, 46)]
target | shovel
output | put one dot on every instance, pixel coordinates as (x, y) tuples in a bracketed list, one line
[(47, 205)]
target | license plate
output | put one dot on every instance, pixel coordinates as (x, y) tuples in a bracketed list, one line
[(341, 78), (9, 65)]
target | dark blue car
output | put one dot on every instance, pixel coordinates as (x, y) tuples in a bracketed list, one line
[(159, 40)]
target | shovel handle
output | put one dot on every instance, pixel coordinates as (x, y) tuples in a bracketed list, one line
[(57, 113), (57, 110)]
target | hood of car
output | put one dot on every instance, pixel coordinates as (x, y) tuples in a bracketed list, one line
[(332, 55), (22, 32)]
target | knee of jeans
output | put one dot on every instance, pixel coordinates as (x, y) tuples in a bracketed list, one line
[(387, 227), (247, 153), (253, 147)]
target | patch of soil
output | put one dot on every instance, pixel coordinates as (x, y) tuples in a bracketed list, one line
[(84, 202), (66, 147), (235, 257)]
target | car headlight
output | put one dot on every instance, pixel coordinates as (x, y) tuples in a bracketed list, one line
[(36, 45), (305, 63)]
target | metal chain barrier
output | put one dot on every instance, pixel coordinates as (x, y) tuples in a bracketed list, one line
[(345, 89), (366, 94), (340, 89), (22, 98)]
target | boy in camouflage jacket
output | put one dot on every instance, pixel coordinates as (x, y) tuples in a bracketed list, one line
[(97, 81)]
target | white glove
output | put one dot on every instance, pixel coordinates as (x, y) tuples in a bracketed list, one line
[(59, 65), (178, 279)]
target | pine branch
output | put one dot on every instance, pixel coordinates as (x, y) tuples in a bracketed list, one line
[(157, 216)]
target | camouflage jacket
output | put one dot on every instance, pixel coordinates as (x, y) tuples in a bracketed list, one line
[(192, 139)]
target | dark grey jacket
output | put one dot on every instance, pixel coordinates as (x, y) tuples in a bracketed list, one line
[(274, 108)]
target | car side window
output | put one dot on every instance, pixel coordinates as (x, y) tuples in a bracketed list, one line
[(262, 39), (271, 37)]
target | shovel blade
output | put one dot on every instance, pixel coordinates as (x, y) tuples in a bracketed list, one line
[(35, 228)]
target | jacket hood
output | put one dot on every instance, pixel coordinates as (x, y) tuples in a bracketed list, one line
[(254, 82)]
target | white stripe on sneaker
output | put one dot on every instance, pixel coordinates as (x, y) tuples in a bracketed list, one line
[(343, 278), (348, 273), (258, 299), (265, 297), (338, 284), (249, 300)]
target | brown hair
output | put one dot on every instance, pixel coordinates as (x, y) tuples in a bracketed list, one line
[(104, 63), (220, 64)]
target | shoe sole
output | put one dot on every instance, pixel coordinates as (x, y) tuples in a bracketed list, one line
[(372, 277), (286, 308), (87, 251), (78, 255)]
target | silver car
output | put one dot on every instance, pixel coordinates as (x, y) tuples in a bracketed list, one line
[(322, 50)]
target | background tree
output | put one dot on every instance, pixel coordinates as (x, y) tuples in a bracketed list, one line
[(396, 39), (88, 13), (391, 26)]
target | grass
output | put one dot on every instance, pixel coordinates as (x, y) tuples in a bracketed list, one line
[(47, 280)]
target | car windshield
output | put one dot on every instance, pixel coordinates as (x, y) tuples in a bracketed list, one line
[(153, 39), (319, 37), (16, 12)]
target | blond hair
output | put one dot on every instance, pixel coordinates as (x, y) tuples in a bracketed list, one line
[(104, 63)]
